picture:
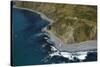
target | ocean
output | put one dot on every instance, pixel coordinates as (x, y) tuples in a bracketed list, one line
[(32, 46)]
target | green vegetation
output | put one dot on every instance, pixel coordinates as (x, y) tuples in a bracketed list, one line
[(72, 23)]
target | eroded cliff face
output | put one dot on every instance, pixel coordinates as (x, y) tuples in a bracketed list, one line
[(77, 31), (72, 23)]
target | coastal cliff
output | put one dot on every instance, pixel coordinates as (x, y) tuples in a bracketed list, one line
[(72, 23)]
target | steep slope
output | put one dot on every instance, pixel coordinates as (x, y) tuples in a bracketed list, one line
[(72, 23)]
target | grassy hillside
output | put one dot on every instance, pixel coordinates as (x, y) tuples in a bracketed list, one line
[(72, 23)]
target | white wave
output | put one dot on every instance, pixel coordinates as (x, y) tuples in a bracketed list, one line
[(79, 55)]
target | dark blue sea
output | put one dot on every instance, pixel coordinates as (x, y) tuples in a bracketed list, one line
[(30, 45)]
